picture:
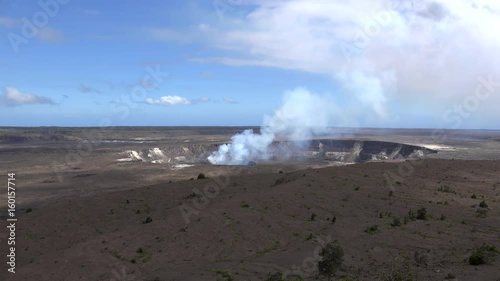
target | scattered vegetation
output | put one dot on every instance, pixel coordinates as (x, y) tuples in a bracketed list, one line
[(484, 254), (269, 249), (278, 276), (483, 204), (450, 276), (411, 215), (225, 275), (474, 196), (384, 214), (420, 259), (422, 214), (404, 272), (201, 176), (396, 222), (29, 210), (446, 189), (143, 255), (332, 256), (313, 217), (481, 213), (147, 220), (372, 229), (193, 195)]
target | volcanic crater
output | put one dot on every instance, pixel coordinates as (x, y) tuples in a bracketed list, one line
[(347, 151)]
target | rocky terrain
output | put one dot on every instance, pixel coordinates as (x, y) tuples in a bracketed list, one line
[(410, 217)]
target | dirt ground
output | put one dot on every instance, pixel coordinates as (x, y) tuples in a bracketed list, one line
[(143, 221)]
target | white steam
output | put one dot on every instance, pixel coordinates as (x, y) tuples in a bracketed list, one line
[(301, 116), (398, 59)]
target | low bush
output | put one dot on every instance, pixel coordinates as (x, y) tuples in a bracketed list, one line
[(484, 254), (422, 214), (396, 222)]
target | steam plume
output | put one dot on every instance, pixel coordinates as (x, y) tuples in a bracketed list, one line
[(302, 115)]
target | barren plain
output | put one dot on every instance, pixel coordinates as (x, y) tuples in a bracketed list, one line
[(143, 203)]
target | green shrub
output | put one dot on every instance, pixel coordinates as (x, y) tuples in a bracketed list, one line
[(372, 229), (225, 275), (201, 176), (422, 214), (411, 215), (483, 204), (193, 195), (396, 222), (483, 255), (332, 256)]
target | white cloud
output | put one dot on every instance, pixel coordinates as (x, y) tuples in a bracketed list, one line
[(177, 100), (168, 100), (229, 100), (13, 96), (426, 53)]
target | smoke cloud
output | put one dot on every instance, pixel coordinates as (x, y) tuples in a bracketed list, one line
[(302, 115), (398, 58)]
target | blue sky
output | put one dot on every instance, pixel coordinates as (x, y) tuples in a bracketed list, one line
[(228, 62)]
